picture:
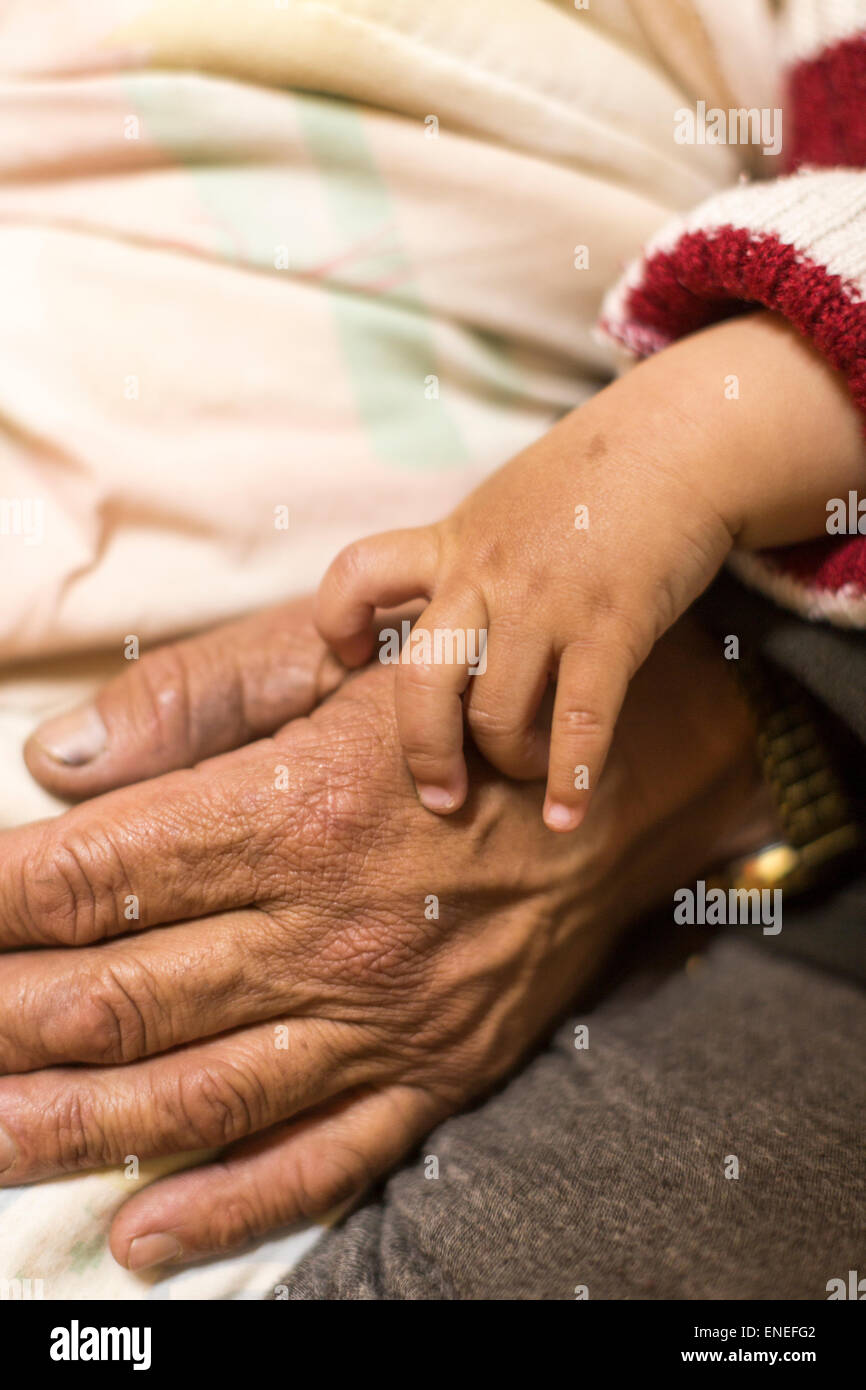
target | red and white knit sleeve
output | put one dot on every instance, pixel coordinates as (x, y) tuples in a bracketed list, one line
[(795, 245)]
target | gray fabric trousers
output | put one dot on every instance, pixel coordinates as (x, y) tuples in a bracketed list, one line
[(606, 1167)]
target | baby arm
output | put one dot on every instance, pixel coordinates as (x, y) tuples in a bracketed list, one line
[(576, 556)]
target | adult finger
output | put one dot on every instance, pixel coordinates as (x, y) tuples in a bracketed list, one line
[(187, 701), (68, 1119), (128, 999), (296, 1172), (178, 846)]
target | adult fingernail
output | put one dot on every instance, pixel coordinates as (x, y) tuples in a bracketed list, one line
[(8, 1150), (157, 1249), (75, 738), (559, 817), (436, 798)]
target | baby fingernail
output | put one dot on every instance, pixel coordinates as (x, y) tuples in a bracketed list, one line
[(436, 798), (8, 1150), (156, 1249), (559, 817), (75, 738)]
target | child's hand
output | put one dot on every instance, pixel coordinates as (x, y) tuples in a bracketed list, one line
[(578, 554), (572, 559)]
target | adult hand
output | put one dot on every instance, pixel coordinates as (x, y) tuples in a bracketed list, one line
[(287, 990)]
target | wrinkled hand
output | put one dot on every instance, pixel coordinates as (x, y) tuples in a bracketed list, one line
[(286, 989)]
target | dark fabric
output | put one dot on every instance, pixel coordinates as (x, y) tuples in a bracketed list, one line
[(830, 926), (606, 1167), (829, 661)]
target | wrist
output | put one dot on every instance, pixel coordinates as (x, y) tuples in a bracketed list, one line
[(774, 431)]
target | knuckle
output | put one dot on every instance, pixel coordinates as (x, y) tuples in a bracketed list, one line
[(74, 889), (326, 1177), (619, 627), (427, 731), (235, 1222), (668, 602), (347, 568), (430, 765), (219, 1104), (422, 749), (489, 554), (79, 1134), (635, 638), (494, 724), (573, 721), (418, 680), (165, 709), (41, 902), (116, 1016)]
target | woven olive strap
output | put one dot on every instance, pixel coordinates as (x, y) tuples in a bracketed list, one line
[(801, 767)]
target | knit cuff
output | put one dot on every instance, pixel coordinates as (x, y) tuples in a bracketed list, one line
[(796, 246)]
